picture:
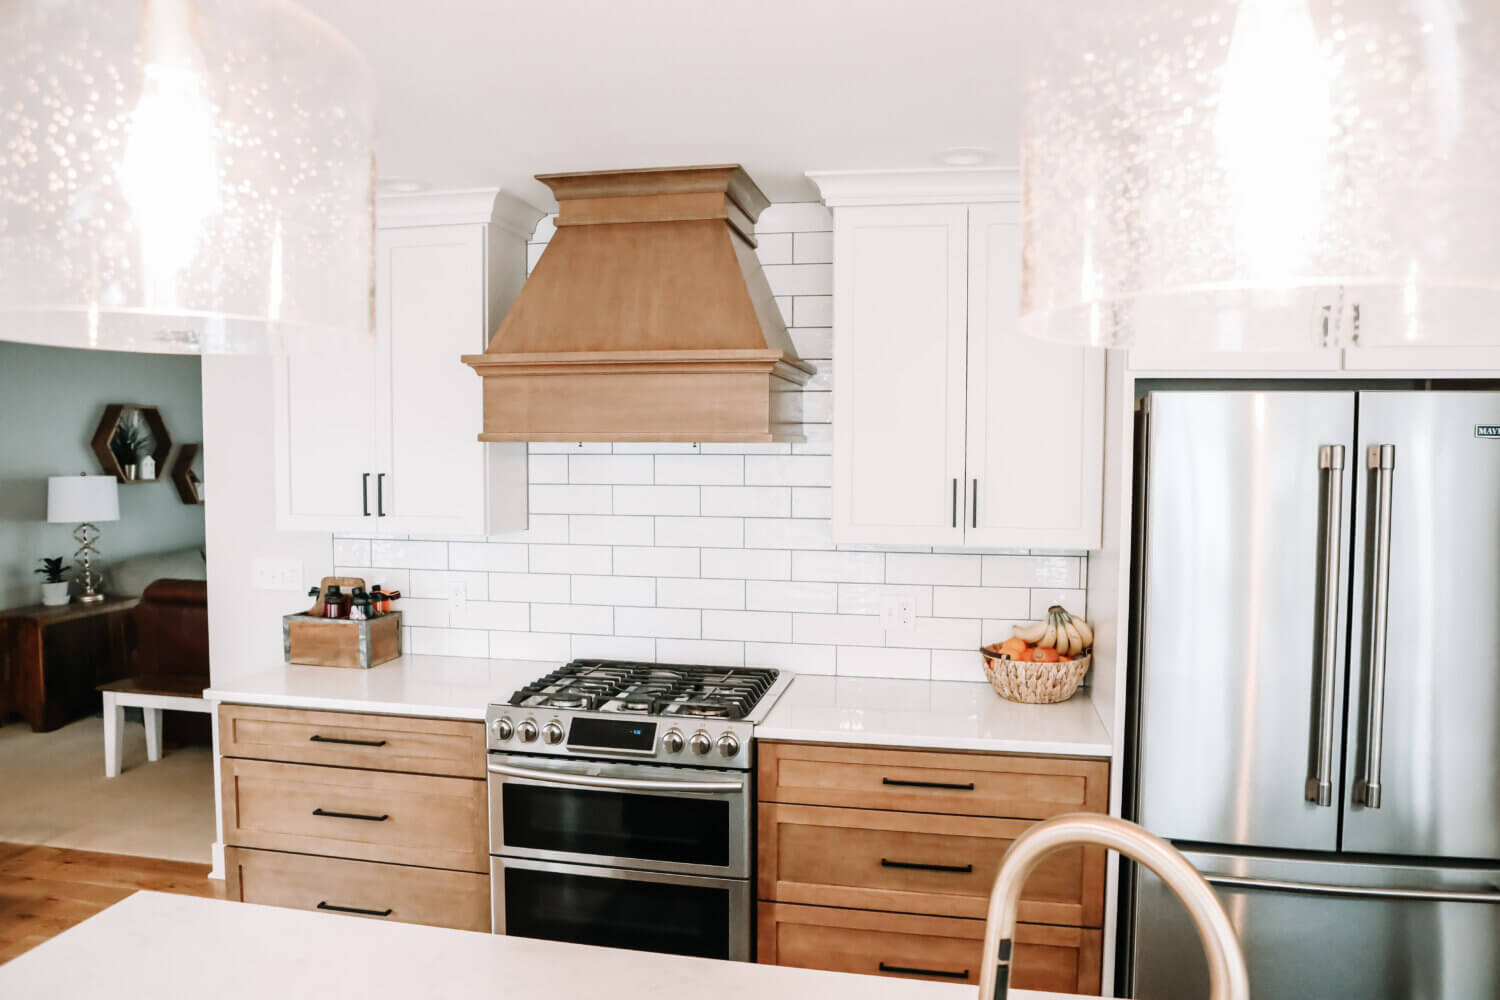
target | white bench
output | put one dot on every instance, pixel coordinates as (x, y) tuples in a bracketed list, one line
[(151, 699)]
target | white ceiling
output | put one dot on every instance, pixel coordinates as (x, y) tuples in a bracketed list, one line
[(490, 92)]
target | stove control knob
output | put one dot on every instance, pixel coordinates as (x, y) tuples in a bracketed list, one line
[(502, 729), (552, 732), (728, 745), (672, 741), (527, 731), (701, 743)]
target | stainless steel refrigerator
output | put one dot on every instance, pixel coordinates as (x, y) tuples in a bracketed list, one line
[(1316, 693)]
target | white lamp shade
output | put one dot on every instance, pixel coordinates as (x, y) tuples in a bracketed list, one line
[(75, 499)]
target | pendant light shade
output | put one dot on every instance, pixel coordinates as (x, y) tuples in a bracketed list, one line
[(1263, 175), (183, 176)]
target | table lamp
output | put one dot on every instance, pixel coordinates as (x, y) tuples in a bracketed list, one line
[(82, 500)]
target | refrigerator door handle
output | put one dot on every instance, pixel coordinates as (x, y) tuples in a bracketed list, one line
[(1319, 787), (1380, 459), (1364, 892)]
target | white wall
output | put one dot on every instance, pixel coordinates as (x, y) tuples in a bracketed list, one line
[(244, 624), (51, 399)]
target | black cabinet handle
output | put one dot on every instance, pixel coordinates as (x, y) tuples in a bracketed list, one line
[(364, 490), (905, 971), (955, 503), (373, 819), (967, 786), (353, 743), (974, 507), (323, 905), (380, 495), (917, 866)]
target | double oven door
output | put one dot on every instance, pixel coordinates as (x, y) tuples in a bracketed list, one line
[(644, 856)]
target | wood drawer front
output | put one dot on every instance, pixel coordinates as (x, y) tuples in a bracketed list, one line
[(412, 895), (382, 742), (922, 781), (1059, 959), (429, 821), (858, 857)]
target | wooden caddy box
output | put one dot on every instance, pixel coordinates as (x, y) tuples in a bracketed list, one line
[(311, 639)]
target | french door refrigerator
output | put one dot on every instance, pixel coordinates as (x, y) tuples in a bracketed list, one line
[(1316, 710)]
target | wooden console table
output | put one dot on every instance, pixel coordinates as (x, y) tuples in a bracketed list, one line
[(53, 659)]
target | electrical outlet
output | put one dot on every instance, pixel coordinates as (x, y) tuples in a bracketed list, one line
[(277, 574), (899, 613), (458, 596)]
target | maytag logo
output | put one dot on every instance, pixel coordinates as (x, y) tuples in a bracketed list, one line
[(1487, 431)]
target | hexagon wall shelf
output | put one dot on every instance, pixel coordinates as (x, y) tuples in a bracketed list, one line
[(189, 484), (110, 463)]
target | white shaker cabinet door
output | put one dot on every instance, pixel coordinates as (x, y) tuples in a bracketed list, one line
[(898, 389), (322, 407), (1036, 411)]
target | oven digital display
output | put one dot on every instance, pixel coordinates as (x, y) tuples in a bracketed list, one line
[(612, 734)]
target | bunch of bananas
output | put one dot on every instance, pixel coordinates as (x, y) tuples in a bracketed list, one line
[(1061, 631)]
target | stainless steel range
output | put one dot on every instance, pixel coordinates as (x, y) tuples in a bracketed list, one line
[(620, 806)]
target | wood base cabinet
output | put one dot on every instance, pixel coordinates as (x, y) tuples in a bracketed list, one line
[(941, 949), (360, 888)]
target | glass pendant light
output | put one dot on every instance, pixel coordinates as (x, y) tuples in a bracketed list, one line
[(1263, 175), (183, 176)]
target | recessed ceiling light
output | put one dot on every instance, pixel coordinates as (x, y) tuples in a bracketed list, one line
[(401, 185), (964, 156)]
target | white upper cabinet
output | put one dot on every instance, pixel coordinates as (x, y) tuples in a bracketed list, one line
[(950, 428), (385, 440)]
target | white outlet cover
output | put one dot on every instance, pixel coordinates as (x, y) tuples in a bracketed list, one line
[(277, 574)]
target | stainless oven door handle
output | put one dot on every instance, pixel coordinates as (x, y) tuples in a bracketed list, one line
[(623, 784)]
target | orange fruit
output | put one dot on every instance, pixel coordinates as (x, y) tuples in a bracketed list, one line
[(1014, 647), (1043, 654)]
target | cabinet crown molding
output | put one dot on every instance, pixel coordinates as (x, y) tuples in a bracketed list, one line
[(920, 186), (479, 206)]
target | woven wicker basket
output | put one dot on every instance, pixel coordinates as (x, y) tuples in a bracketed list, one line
[(1035, 683)]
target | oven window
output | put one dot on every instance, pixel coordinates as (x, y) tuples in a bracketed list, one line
[(616, 824), (617, 912)]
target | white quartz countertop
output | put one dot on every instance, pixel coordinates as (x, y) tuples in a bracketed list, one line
[(155, 946), (943, 715), (866, 711)]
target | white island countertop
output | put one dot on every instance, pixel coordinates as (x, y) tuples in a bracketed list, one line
[(153, 945)]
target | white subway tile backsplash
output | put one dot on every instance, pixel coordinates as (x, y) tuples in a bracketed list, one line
[(610, 529), (790, 656), (548, 498), (659, 623), (857, 567), (754, 626), (589, 619), (409, 555), (995, 630), (635, 591), (713, 652), (779, 595), (487, 556), (706, 532), (612, 469), (747, 501), (747, 564), (838, 630), (864, 661), (656, 499), (548, 588), (954, 571), (718, 552), (696, 593), (700, 470), (570, 559), (656, 561)]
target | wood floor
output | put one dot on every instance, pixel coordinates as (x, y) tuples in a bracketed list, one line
[(46, 890)]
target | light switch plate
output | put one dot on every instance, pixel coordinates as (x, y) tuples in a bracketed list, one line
[(277, 574)]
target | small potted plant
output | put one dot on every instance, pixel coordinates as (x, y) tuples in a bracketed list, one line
[(130, 441), (54, 584)]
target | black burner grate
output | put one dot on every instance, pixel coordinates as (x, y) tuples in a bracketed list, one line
[(649, 688)]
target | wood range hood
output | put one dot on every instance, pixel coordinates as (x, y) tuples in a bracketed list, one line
[(648, 318)]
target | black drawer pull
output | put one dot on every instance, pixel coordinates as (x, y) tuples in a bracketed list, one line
[(315, 738), (904, 971), (373, 819), (967, 786), (371, 913), (961, 869)]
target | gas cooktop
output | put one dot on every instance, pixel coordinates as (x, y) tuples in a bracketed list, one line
[(612, 707)]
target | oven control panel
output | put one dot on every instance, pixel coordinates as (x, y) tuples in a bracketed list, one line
[(701, 743)]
